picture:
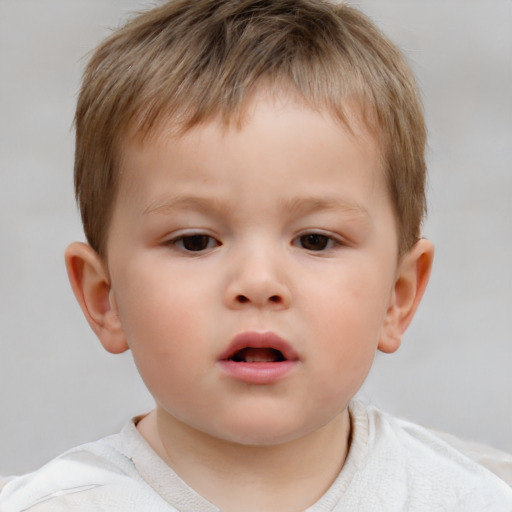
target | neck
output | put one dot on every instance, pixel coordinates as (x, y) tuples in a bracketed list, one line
[(284, 477)]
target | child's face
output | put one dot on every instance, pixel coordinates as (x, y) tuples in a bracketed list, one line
[(231, 250)]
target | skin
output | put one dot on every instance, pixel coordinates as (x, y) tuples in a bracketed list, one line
[(282, 225)]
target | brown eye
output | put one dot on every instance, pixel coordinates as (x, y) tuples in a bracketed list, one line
[(315, 242), (196, 243)]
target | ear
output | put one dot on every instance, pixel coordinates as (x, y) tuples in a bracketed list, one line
[(90, 281), (411, 280)]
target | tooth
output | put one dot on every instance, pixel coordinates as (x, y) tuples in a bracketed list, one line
[(260, 355), (258, 359)]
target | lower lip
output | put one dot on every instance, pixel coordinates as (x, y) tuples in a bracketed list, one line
[(258, 373)]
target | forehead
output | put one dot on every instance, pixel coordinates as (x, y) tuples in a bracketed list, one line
[(285, 156), (354, 112), (284, 112)]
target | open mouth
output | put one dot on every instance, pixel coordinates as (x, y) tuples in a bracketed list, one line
[(255, 347), (260, 358), (257, 355)]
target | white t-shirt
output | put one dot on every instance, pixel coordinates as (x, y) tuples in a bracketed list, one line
[(392, 465)]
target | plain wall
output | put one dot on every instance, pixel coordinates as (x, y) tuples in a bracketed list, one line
[(58, 388)]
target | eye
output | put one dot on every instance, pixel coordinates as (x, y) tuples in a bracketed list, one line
[(315, 242), (195, 243)]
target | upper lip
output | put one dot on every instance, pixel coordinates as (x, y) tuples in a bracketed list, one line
[(255, 339)]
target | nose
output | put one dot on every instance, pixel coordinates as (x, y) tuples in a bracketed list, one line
[(257, 280)]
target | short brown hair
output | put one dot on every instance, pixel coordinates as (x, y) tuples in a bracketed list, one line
[(189, 61)]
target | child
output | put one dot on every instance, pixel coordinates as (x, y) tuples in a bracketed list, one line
[(251, 181)]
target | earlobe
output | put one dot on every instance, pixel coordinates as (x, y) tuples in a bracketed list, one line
[(411, 281), (91, 285)]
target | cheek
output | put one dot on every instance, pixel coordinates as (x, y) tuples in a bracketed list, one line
[(350, 305), (151, 299), (344, 358), (162, 323), (166, 343), (348, 318)]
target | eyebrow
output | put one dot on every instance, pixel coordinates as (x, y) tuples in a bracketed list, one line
[(295, 206), (306, 205), (184, 203)]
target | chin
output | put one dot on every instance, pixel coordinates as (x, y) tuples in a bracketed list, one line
[(264, 431)]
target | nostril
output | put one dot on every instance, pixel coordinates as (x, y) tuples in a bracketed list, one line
[(242, 299)]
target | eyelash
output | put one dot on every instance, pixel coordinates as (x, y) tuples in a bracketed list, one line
[(326, 241), (200, 242), (201, 238)]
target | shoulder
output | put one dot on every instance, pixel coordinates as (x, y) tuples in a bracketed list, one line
[(419, 469), (96, 476)]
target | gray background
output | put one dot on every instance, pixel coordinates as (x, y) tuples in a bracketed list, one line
[(57, 386)]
